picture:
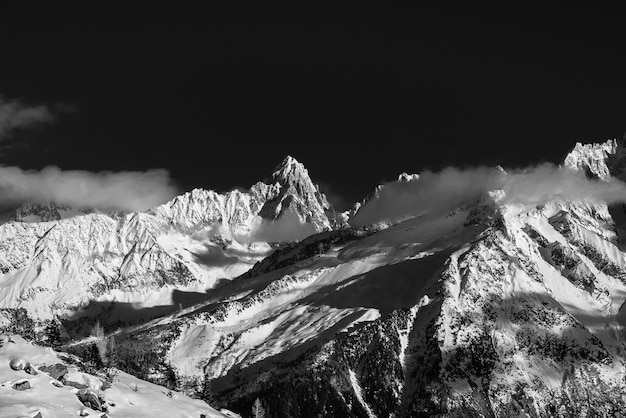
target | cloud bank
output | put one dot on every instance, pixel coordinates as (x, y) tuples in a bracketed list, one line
[(14, 114), (437, 193), (287, 228), (124, 190)]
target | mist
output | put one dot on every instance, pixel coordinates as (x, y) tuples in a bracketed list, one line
[(287, 228), (124, 190), (436, 193), (14, 114)]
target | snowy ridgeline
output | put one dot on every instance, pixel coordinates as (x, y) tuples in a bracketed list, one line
[(55, 260), (38, 382), (493, 309)]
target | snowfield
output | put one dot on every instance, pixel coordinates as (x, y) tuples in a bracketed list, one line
[(46, 397)]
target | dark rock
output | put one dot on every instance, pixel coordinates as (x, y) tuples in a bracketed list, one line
[(38, 415), (75, 384), (56, 371), (83, 413), (57, 383), (23, 385), (30, 369), (89, 399)]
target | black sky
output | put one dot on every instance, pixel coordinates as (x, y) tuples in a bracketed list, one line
[(219, 97)]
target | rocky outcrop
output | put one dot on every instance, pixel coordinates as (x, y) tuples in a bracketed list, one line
[(289, 188)]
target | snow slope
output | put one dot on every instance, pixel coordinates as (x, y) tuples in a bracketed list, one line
[(491, 310), (126, 397)]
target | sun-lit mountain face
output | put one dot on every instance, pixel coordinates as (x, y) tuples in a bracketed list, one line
[(56, 259), (495, 307)]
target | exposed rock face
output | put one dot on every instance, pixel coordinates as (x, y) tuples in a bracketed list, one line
[(592, 158), (38, 213), (289, 188), (600, 160)]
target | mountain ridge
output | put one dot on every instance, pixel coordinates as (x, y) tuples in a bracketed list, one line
[(192, 241), (492, 310), (496, 308)]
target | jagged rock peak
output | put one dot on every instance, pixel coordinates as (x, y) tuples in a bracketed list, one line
[(405, 177), (594, 159), (297, 192), (291, 171), (289, 188)]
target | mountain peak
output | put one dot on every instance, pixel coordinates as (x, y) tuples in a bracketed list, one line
[(289, 160), (597, 160), (405, 177), (290, 170)]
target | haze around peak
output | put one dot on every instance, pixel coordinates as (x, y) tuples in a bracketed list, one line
[(437, 193)]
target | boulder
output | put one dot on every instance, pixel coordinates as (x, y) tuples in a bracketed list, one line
[(30, 369), (56, 383), (56, 371), (17, 363), (90, 399), (21, 385), (76, 385)]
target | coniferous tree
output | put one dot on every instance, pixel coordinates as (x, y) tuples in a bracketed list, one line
[(257, 409), (53, 335), (207, 394)]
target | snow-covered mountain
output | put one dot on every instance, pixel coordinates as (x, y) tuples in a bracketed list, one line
[(494, 309), (54, 259), (289, 189)]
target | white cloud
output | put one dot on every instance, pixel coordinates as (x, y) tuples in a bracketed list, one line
[(287, 228), (125, 190), (443, 191)]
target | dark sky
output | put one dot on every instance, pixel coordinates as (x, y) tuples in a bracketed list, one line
[(219, 97)]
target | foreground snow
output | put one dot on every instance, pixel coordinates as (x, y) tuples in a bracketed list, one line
[(127, 397)]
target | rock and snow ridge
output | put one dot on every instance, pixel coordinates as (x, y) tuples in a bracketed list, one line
[(289, 189), (489, 310), (54, 259)]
